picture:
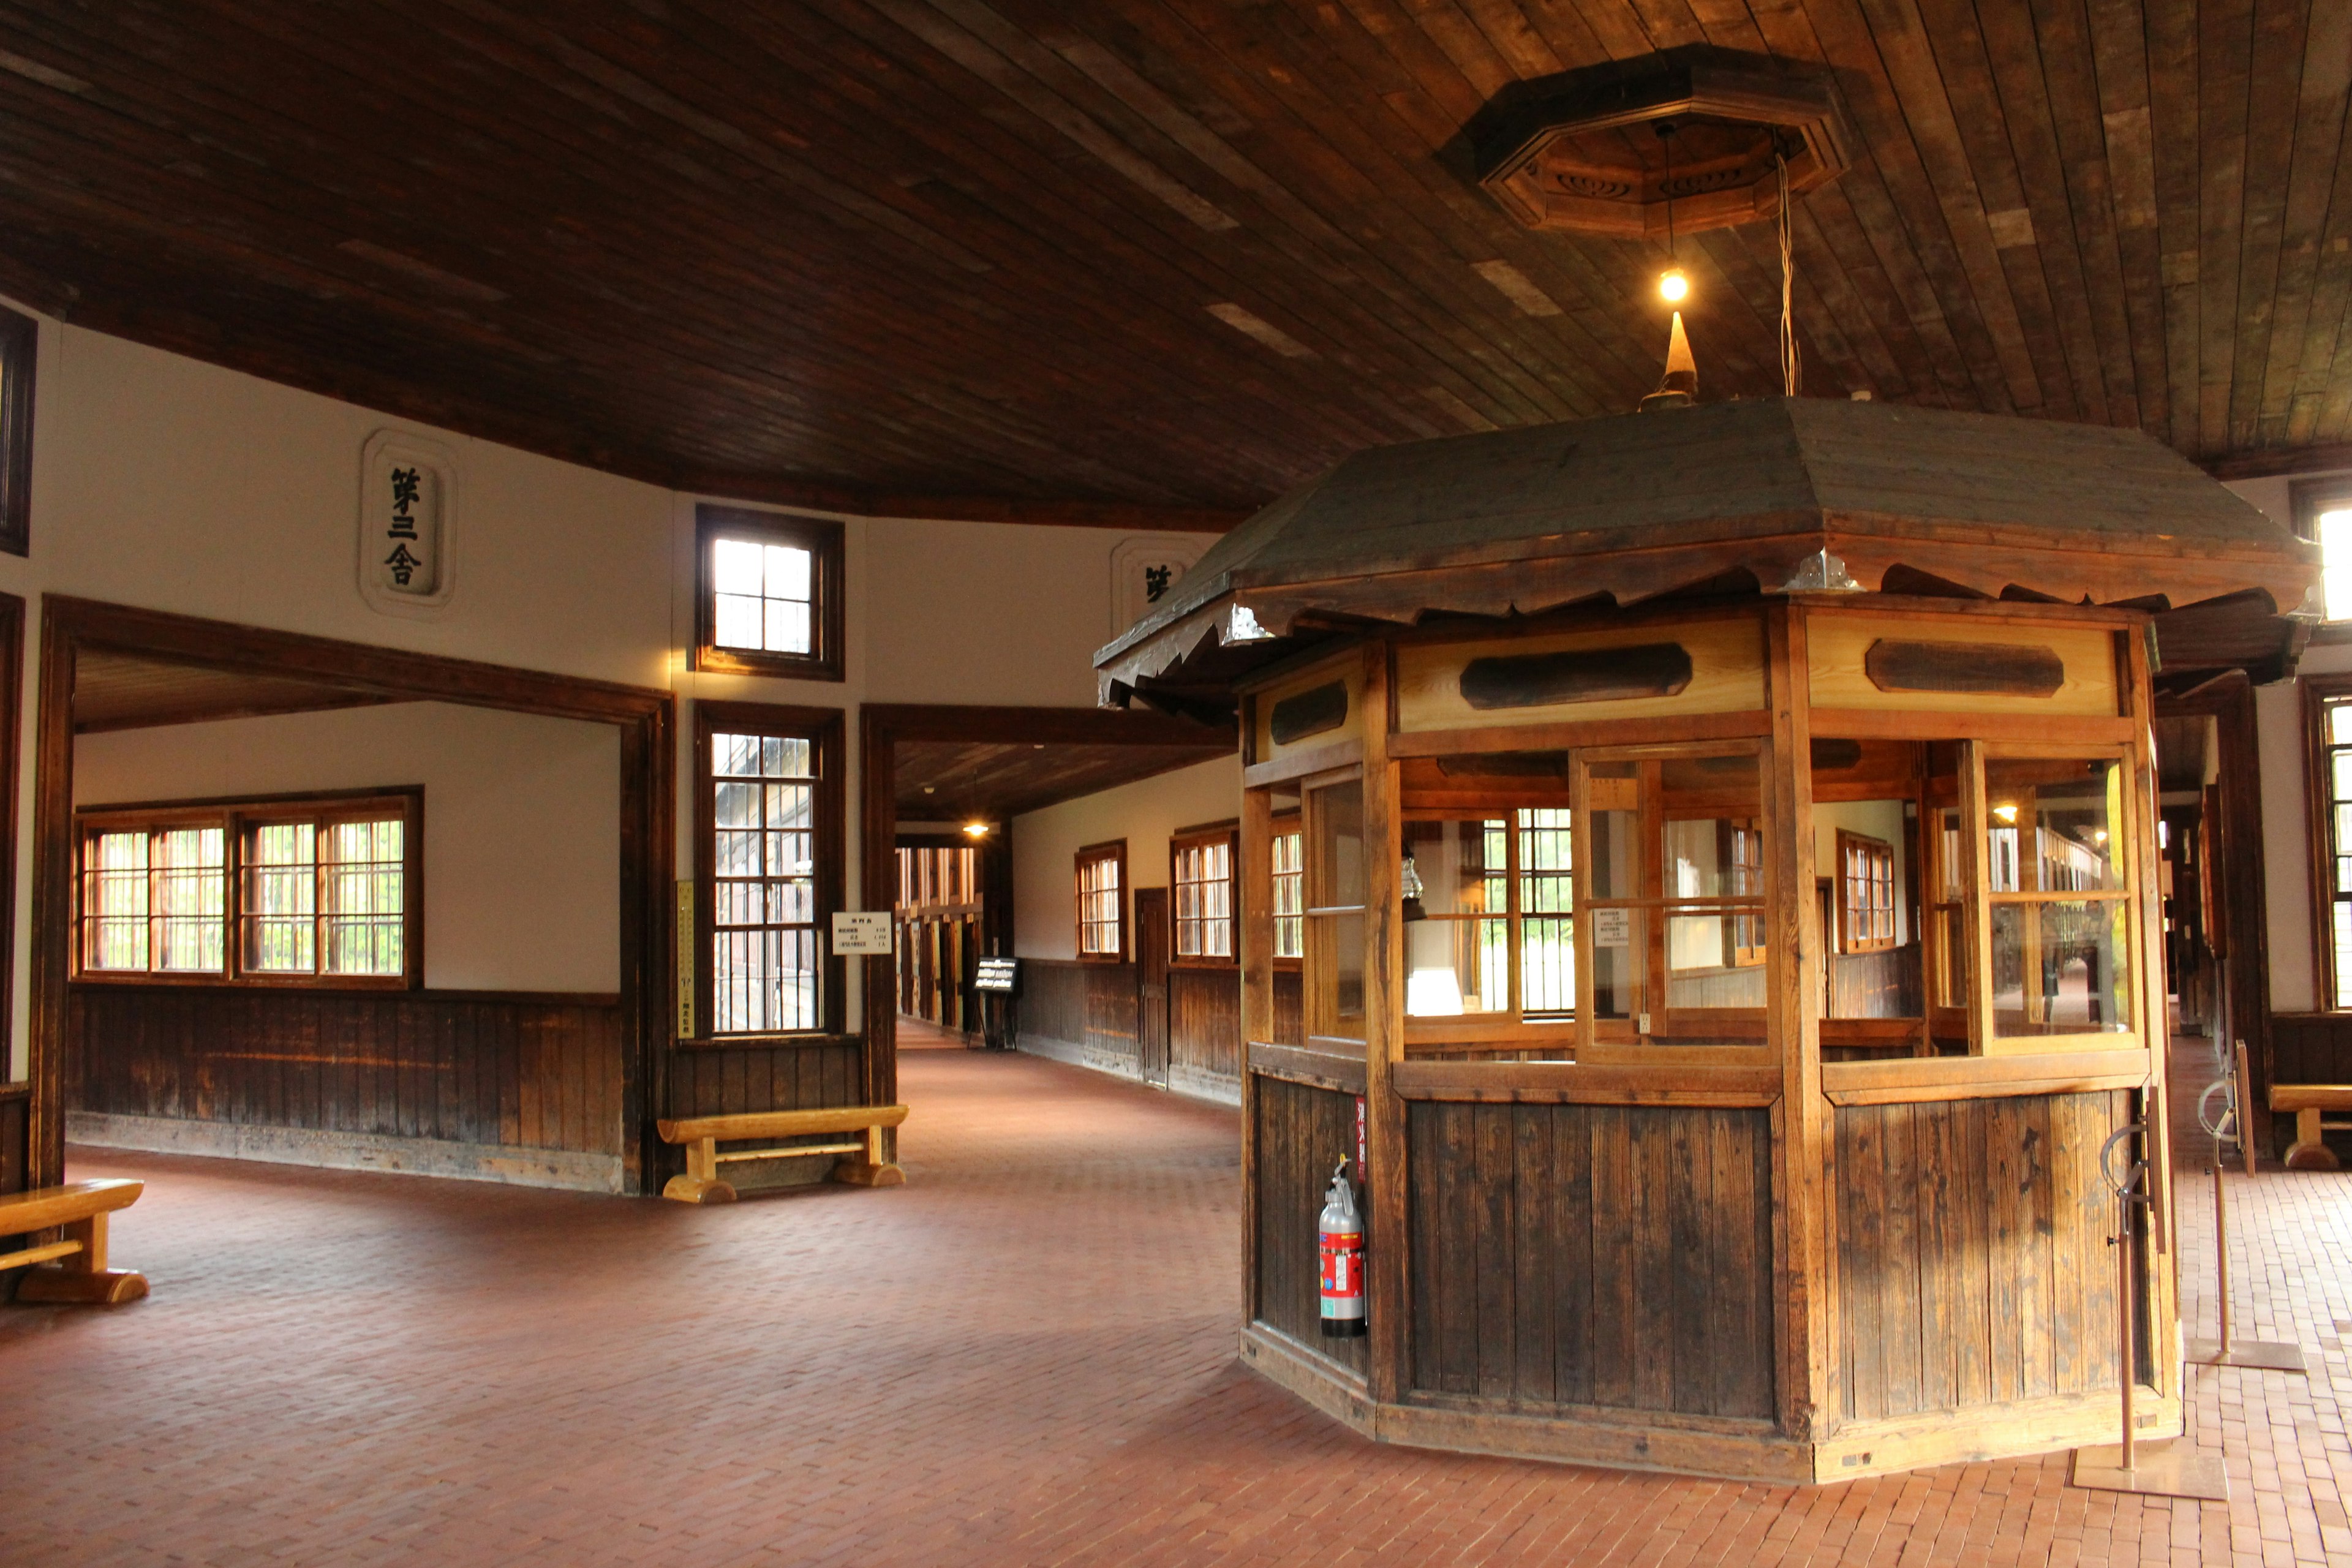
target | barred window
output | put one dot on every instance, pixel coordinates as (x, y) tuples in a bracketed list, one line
[(769, 594), (1202, 872), (764, 959), (320, 888), (1101, 895), (1289, 887)]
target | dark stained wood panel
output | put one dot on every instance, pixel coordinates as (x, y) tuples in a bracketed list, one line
[(1153, 253), (1091, 1005), (960, 781), (723, 1080), (125, 691), (1612, 1256), (516, 1071), (1205, 1021), (1297, 1134), (1973, 1261)]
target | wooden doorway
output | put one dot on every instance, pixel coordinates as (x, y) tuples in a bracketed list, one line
[(1152, 931)]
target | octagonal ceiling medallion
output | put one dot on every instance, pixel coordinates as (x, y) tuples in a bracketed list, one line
[(1583, 152)]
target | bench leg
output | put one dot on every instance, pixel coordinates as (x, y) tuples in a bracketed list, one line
[(871, 1171), (83, 1278), (701, 1184), (2310, 1151)]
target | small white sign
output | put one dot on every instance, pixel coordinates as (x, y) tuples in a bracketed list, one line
[(861, 932), (1612, 928), (408, 487)]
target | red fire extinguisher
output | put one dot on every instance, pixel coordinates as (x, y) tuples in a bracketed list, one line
[(1342, 1236)]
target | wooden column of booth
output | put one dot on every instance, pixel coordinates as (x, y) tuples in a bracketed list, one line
[(1599, 1244)]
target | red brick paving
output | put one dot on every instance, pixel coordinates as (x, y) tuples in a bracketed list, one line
[(1024, 1356)]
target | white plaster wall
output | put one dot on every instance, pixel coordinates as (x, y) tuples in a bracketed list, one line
[(523, 868), (1147, 814), (162, 482)]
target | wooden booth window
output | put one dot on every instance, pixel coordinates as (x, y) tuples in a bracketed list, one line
[(1200, 870), (1489, 916), (1289, 891), (1673, 941), (769, 594), (768, 865), (2058, 877), (317, 891), (1333, 920), (1102, 901), (2327, 739)]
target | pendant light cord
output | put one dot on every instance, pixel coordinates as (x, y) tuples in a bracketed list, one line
[(1791, 372)]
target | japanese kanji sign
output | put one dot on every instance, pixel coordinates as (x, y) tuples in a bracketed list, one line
[(1144, 573), (405, 501)]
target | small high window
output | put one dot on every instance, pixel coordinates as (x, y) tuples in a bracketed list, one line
[(770, 595), (1865, 893), (323, 889), (1102, 887), (1201, 869), (1289, 887)]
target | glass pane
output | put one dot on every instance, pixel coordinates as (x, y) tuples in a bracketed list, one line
[(115, 899), (2057, 968), (2335, 532), (362, 928), (2339, 724), (1456, 966), (1337, 873), (787, 626), (1951, 969), (735, 567), (788, 573), (2051, 824), (1715, 957), (1869, 938), (191, 895), (1347, 938), (2339, 767), (1714, 857), (1547, 902), (280, 896), (2343, 945), (1618, 945), (735, 756), (1614, 791), (1455, 867), (737, 622)]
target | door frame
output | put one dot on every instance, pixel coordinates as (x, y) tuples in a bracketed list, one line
[(1160, 930)]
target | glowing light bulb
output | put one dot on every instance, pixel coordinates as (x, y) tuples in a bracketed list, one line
[(1674, 286), (976, 830)]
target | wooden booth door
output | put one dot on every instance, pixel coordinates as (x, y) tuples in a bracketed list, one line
[(1151, 938)]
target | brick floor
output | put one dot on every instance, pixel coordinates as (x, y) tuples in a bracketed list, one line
[(1024, 1356)]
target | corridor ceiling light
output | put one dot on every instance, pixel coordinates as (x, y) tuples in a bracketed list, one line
[(1673, 285), (976, 830), (2006, 813)]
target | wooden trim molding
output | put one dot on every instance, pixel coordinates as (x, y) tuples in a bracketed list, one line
[(20, 344), (2318, 692), (823, 540)]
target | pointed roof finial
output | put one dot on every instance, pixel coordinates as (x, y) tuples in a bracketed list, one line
[(1680, 387)]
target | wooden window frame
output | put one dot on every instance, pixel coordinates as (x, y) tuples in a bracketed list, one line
[(1874, 850), (1228, 834), (823, 729), (823, 540), (2320, 692), (20, 343), (234, 815), (1113, 849), (1512, 1025), (1290, 825)]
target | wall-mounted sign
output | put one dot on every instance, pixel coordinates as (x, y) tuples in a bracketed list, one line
[(1143, 572), (1612, 928), (997, 975), (861, 932), (408, 502)]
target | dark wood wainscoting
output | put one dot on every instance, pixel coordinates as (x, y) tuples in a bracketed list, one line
[(1089, 1008), (1973, 1266), (2311, 1048), (1593, 1255), (723, 1080), (15, 1138), (1204, 1022), (1297, 1133), (1875, 984), (1289, 1010), (512, 1069)]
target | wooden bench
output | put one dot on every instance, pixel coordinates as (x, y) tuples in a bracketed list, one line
[(81, 1275), (2311, 1102), (860, 1163)]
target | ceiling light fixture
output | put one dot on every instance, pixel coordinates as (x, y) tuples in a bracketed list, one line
[(1673, 283), (976, 830)]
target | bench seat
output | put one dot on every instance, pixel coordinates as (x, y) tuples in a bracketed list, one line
[(2311, 1102), (859, 1161), (71, 1270)]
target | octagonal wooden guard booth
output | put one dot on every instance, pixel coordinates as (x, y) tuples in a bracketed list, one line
[(1733, 976)]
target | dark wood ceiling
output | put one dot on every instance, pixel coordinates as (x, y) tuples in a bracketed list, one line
[(966, 781), (983, 255), (125, 692)]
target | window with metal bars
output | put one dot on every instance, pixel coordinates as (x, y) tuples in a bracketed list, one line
[(288, 891)]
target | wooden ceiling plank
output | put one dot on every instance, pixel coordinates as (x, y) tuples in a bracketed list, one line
[(1864, 306), (1512, 33), (2120, 56), (2317, 164), (2225, 59), (2063, 56), (1868, 191), (2013, 65), (2276, 99), (2175, 112), (1908, 53)]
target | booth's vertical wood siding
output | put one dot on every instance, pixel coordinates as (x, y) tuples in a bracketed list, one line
[(1593, 1255), (1973, 1265), (471, 1068), (1289, 1010), (1299, 1134)]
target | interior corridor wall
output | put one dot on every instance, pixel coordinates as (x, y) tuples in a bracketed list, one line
[(521, 855), (1147, 814)]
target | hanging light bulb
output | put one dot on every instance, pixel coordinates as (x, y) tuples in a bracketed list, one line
[(1673, 285)]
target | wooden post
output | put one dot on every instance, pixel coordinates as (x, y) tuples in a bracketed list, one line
[(1976, 901), (1256, 878), (1387, 1265), (1792, 1021)]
